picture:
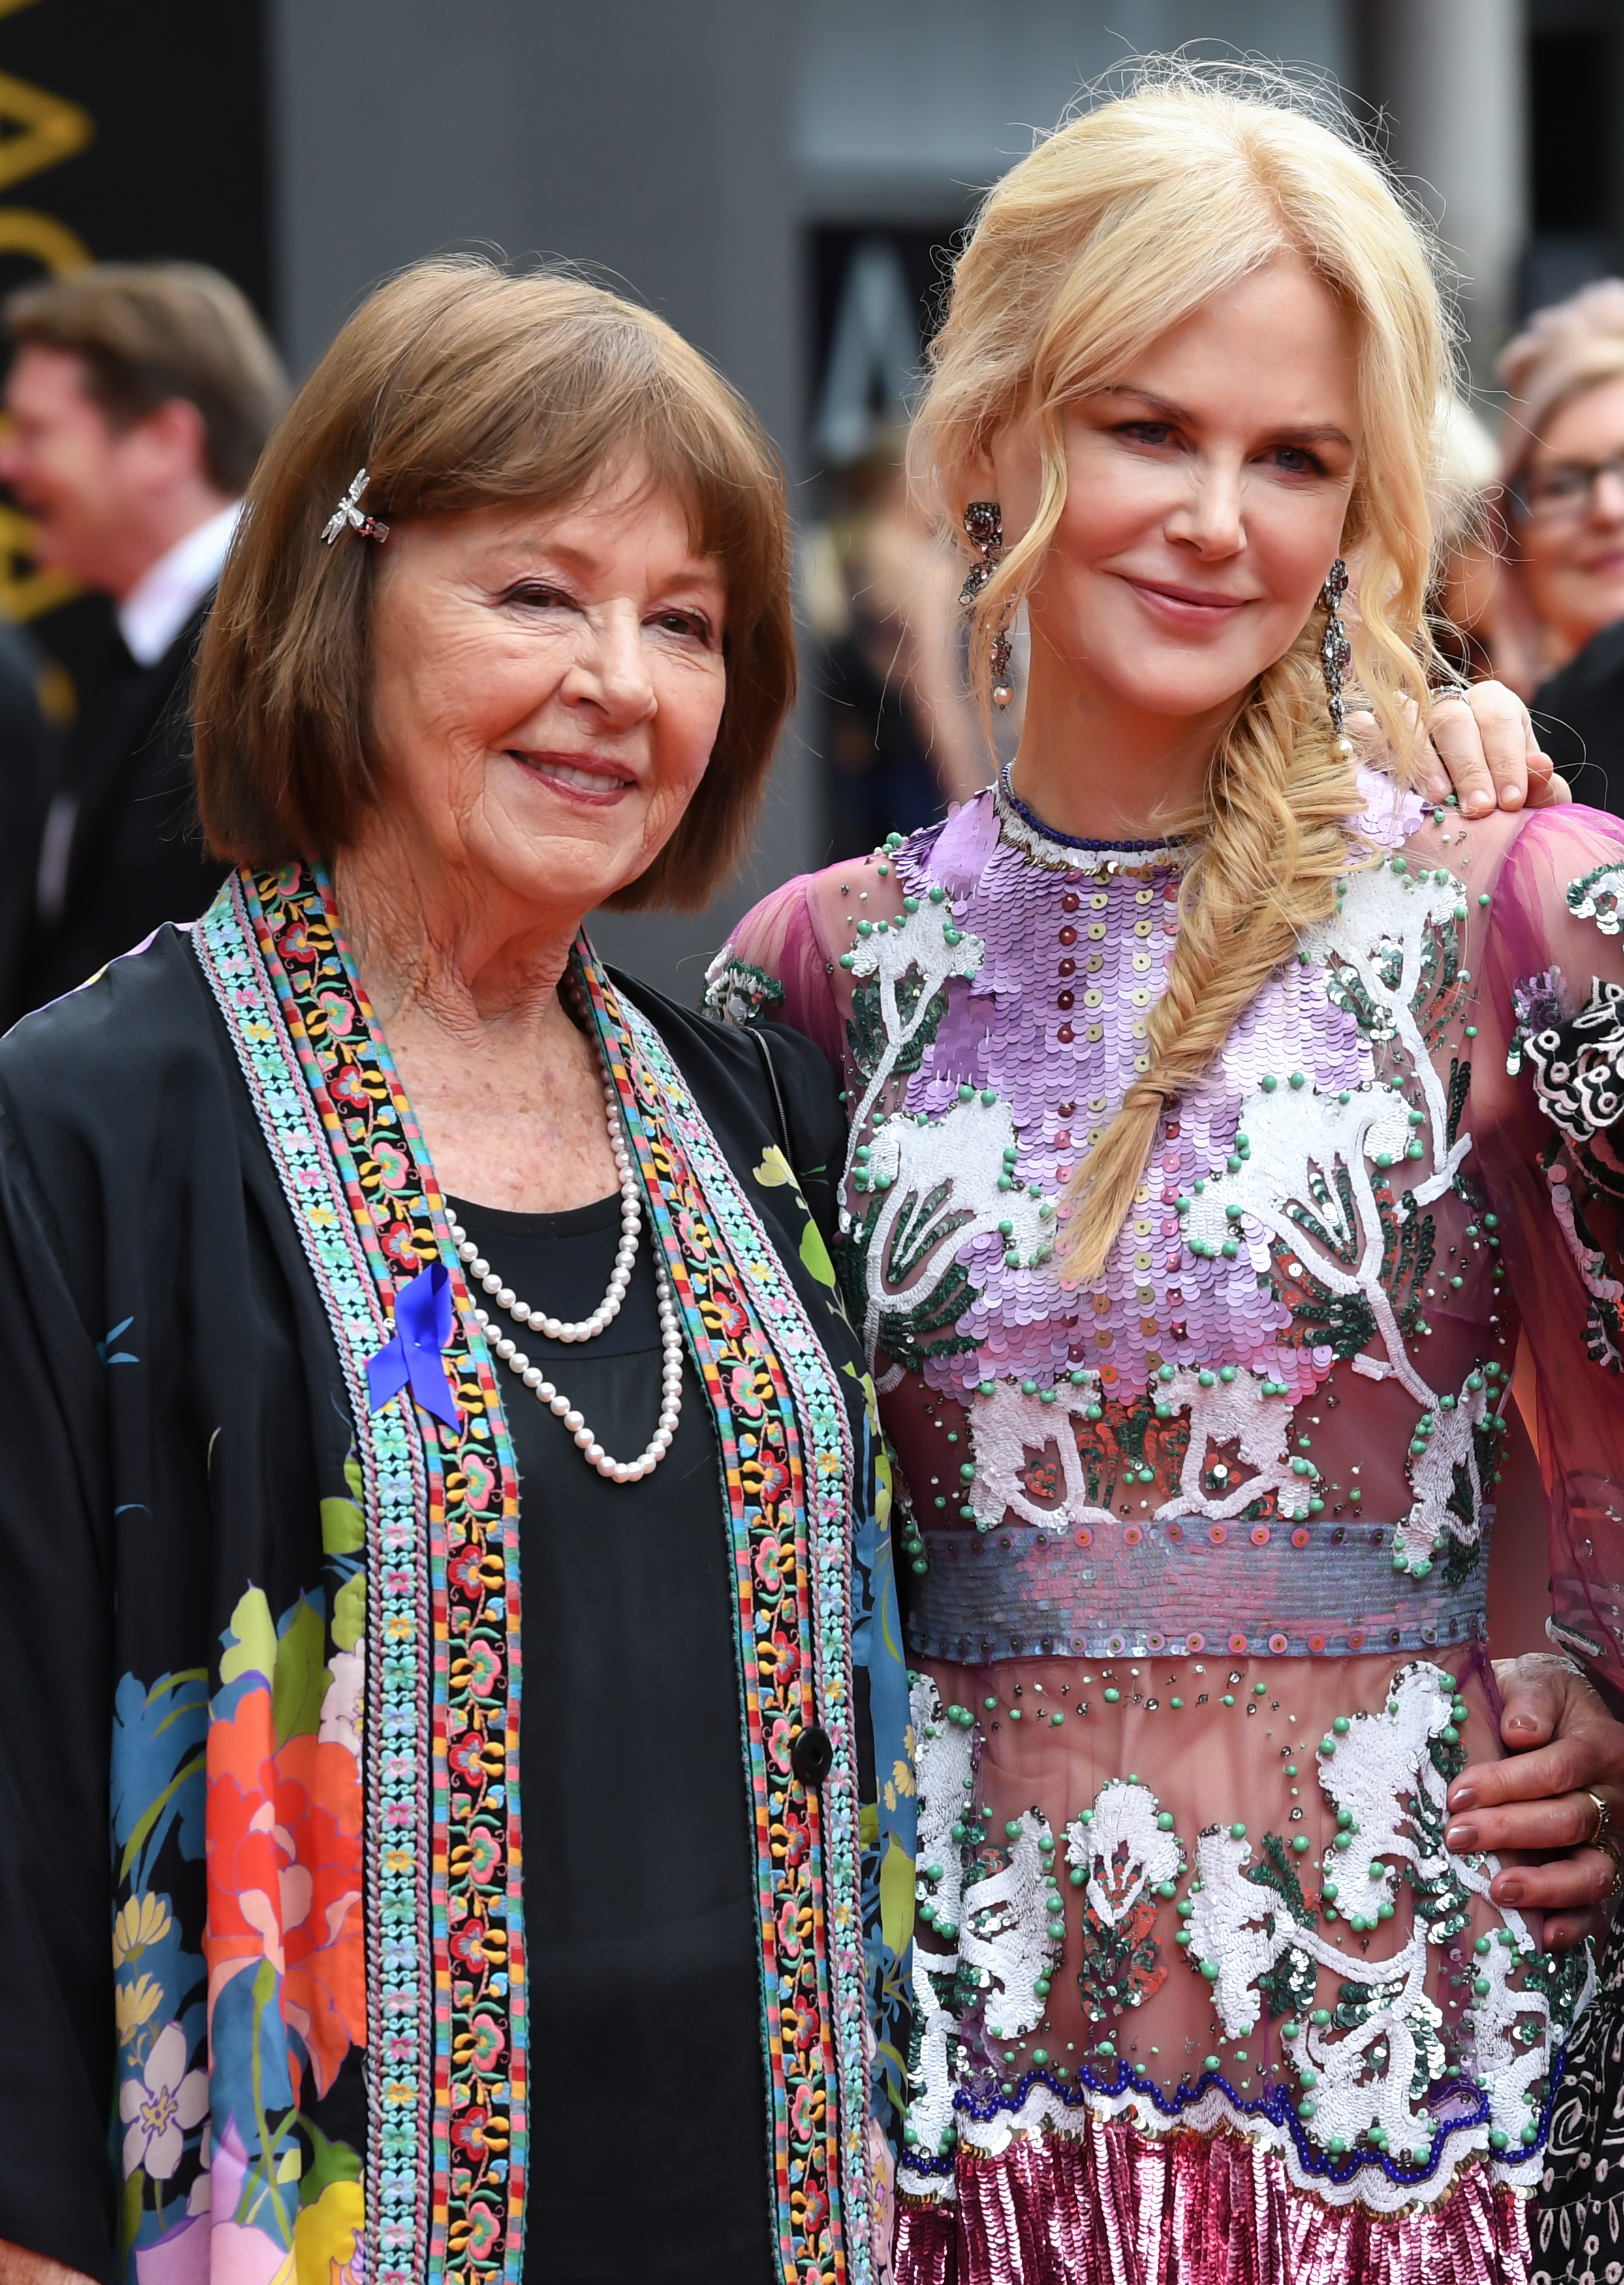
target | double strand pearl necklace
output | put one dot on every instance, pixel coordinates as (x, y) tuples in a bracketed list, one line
[(587, 1328)]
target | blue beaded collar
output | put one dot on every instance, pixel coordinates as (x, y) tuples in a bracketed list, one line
[(1171, 845)]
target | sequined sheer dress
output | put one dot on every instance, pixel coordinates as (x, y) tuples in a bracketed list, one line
[(1197, 1558)]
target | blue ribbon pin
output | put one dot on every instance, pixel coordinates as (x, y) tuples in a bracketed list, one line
[(422, 1327)]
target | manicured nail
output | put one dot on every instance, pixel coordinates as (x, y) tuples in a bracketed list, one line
[(1461, 1838), (1463, 1797), (1509, 1892)]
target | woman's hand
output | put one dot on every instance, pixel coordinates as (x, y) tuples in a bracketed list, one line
[(1487, 752), (1562, 1746), (1484, 750)]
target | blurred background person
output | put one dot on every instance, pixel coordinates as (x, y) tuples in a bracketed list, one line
[(28, 754), (1560, 601), (901, 736), (139, 396), (1469, 541), (1533, 588)]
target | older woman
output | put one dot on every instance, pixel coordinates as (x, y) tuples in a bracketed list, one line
[(367, 1249)]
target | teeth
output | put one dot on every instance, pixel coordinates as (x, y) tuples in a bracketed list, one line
[(589, 780)]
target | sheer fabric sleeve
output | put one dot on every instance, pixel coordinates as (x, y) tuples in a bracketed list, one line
[(56, 1723), (776, 966), (1551, 1132)]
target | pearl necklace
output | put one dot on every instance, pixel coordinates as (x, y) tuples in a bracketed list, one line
[(586, 1329)]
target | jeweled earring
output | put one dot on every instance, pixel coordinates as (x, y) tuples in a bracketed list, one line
[(984, 526), (1336, 655)]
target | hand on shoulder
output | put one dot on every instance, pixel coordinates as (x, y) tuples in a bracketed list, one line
[(1483, 750)]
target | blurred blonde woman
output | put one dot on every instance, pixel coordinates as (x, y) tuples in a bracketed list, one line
[(1190, 1218), (1555, 619)]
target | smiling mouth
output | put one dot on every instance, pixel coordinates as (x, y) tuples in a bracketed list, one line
[(1189, 599), (582, 777)]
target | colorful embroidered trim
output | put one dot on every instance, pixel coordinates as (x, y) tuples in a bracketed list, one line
[(774, 1400), (445, 2170), (446, 2153)]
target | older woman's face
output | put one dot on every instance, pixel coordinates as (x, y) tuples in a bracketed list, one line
[(547, 685), (1572, 531)]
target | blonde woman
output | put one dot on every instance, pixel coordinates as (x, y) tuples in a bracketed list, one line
[(1190, 1216)]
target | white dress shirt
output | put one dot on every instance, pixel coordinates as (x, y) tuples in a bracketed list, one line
[(168, 592)]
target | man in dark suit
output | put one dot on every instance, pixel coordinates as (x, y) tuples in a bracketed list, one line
[(140, 395)]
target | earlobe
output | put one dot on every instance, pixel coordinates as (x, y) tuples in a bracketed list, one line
[(979, 477)]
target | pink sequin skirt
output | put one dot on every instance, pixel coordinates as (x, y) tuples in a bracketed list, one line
[(1113, 2205)]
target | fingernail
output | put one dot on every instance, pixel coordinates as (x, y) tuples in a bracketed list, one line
[(1508, 1892), (1521, 1722), (1460, 1837), (1463, 1797)]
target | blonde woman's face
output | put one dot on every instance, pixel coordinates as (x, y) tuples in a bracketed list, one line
[(1570, 532), (548, 685), (1205, 497)]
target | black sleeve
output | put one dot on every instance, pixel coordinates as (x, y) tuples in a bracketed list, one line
[(56, 1724), (815, 1142)]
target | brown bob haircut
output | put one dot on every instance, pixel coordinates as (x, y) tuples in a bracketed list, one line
[(458, 387), (147, 331)]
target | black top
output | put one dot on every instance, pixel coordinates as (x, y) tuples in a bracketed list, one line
[(643, 1975), (1578, 720)]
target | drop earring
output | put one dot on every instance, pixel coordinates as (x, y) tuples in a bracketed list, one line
[(984, 526), (1336, 655)]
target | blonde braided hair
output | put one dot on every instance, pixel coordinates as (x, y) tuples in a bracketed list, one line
[(1124, 221)]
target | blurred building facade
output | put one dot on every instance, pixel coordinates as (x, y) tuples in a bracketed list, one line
[(775, 180)]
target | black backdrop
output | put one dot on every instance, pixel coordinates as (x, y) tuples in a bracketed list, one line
[(129, 130)]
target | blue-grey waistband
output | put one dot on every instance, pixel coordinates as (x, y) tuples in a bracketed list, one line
[(1300, 1591)]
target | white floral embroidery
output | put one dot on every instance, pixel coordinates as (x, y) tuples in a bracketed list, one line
[(1383, 932), (1370, 2066), (1237, 1934), (1010, 1429), (1597, 897), (945, 1759), (1122, 1824), (1005, 1941), (917, 941), (1591, 1263), (960, 1155), (1374, 1774), (1447, 1469), (1236, 1411)]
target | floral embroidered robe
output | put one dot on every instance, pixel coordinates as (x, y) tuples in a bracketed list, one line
[(1196, 1560), (263, 1999)]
